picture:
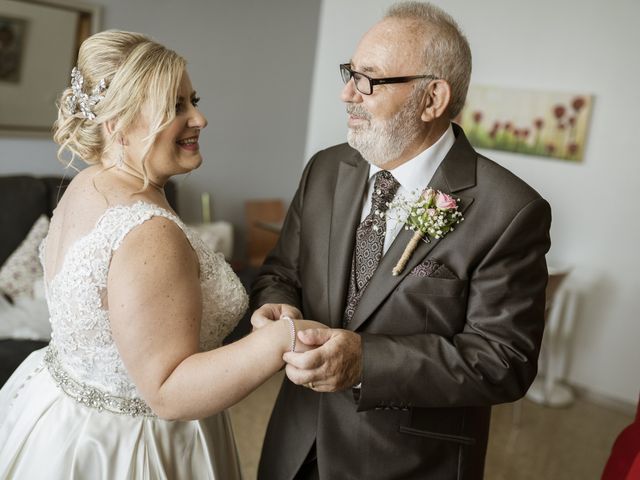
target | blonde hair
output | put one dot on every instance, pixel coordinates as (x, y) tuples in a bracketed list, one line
[(447, 54), (138, 72)]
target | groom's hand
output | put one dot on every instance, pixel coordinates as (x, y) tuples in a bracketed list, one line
[(270, 312), (336, 363)]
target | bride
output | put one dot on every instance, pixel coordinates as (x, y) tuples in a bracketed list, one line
[(135, 382)]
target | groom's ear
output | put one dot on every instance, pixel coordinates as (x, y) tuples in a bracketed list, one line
[(435, 100)]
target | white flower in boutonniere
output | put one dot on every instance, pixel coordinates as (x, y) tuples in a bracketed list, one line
[(432, 215)]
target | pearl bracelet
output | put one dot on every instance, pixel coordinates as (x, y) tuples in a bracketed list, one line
[(292, 330)]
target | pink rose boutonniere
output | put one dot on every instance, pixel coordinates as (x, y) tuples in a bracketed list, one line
[(432, 215)]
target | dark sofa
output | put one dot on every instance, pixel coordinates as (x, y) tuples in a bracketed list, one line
[(23, 198)]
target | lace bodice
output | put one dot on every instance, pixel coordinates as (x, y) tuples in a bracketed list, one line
[(81, 333)]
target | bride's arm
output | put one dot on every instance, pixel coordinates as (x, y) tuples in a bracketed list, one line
[(155, 305)]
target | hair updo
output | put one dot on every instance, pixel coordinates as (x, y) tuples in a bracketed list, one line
[(138, 72)]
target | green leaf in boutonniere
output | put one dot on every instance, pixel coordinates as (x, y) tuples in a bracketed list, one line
[(432, 215)]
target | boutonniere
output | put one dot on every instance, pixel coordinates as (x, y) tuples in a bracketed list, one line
[(432, 215)]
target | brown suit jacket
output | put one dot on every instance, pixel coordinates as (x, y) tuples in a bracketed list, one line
[(458, 331)]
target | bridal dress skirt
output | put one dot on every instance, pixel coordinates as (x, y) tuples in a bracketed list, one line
[(46, 434)]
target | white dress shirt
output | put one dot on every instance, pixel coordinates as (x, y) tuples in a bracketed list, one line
[(413, 176)]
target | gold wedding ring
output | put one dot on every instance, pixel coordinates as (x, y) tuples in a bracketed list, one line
[(309, 385)]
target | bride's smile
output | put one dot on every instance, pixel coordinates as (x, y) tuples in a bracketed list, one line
[(176, 148)]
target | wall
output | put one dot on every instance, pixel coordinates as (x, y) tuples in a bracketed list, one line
[(251, 63), (576, 46)]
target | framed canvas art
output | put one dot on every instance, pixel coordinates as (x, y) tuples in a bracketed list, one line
[(548, 124)]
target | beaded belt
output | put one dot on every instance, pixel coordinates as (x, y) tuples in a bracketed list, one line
[(91, 396)]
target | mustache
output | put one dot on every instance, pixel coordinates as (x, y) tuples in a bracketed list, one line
[(358, 111)]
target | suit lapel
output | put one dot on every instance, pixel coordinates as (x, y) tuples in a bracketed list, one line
[(455, 173), (345, 217)]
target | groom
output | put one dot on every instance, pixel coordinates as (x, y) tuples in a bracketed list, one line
[(401, 386)]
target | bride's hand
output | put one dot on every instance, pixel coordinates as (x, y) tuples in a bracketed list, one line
[(269, 312)]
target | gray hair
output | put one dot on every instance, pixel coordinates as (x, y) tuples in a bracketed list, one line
[(447, 54)]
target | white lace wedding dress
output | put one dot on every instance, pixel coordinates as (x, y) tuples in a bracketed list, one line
[(70, 411)]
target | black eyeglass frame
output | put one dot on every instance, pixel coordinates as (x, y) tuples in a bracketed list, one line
[(346, 67)]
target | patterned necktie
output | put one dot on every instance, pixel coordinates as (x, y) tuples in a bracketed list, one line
[(369, 240)]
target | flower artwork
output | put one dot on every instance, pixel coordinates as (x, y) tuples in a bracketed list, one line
[(536, 123), (432, 215)]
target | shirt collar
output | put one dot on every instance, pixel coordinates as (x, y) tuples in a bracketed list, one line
[(416, 173)]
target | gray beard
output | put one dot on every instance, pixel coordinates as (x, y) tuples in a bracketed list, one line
[(382, 142)]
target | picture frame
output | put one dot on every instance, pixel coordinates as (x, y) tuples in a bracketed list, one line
[(12, 33), (39, 43)]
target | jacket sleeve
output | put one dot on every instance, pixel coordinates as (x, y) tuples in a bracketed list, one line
[(494, 357)]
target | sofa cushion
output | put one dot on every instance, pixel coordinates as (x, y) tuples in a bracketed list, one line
[(25, 318), (23, 199), (22, 269)]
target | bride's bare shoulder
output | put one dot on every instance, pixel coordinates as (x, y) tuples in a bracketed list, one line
[(158, 231), (79, 207), (82, 191), (96, 189), (155, 248)]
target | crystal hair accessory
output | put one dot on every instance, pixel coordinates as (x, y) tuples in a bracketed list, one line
[(81, 101)]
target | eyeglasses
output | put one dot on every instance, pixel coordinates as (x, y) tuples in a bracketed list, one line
[(364, 84)]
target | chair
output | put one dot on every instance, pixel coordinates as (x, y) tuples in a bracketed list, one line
[(263, 219), (546, 389), (545, 386)]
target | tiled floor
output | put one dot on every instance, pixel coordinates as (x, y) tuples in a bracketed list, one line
[(547, 444), (552, 443)]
